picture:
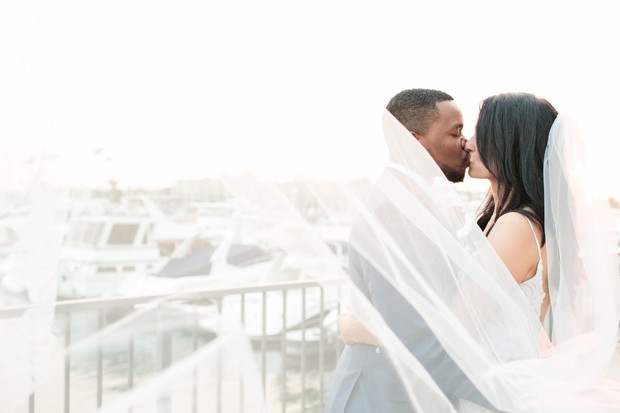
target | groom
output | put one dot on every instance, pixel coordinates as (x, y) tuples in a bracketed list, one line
[(365, 380)]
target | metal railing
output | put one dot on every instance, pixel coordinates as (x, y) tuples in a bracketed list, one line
[(307, 361), (304, 345)]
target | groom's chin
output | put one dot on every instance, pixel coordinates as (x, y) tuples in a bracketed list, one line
[(455, 176)]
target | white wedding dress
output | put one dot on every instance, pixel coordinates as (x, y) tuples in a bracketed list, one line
[(533, 287), (534, 292)]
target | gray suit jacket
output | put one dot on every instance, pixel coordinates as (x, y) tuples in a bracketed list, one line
[(365, 380)]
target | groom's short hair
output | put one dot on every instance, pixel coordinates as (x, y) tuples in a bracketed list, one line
[(417, 109)]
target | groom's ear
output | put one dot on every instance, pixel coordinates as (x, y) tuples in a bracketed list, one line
[(415, 135)]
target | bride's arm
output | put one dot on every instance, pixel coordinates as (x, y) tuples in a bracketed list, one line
[(514, 242)]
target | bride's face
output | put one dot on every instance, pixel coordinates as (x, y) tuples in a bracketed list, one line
[(476, 167)]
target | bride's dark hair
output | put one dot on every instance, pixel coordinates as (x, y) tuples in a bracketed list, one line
[(511, 136)]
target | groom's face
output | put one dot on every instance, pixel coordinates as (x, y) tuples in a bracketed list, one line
[(445, 142)]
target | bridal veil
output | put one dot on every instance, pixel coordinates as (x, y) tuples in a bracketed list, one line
[(415, 229)]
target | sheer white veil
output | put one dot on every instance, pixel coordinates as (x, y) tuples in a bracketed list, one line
[(413, 228), (35, 213), (582, 260)]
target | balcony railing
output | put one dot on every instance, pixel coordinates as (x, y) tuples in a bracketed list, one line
[(291, 327), (295, 352)]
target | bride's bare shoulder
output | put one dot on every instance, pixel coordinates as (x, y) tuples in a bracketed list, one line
[(512, 239)]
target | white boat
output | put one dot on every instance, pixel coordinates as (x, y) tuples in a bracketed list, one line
[(218, 220), (227, 265), (10, 225), (10, 228), (120, 249), (208, 221), (101, 251)]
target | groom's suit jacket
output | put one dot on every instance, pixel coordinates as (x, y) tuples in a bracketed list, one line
[(365, 380)]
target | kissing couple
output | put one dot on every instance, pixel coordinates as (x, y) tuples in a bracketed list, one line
[(448, 311)]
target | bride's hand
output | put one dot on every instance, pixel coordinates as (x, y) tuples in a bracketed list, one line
[(352, 331)]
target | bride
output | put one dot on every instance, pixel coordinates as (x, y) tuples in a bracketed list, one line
[(554, 238)]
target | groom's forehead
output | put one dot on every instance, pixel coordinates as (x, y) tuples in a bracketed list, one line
[(450, 115)]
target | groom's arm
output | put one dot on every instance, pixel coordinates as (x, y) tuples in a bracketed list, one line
[(414, 333)]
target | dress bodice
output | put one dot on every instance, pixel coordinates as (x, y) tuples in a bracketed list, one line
[(533, 288)]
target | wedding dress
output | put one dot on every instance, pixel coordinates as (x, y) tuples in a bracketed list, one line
[(535, 294), (533, 287)]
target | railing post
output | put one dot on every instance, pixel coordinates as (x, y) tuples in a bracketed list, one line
[(195, 370), (283, 350), (130, 360), (241, 383), (303, 350), (164, 356), (100, 325), (219, 360), (31, 403), (321, 349), (263, 343), (67, 369)]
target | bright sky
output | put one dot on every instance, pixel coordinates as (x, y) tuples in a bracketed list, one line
[(187, 89)]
